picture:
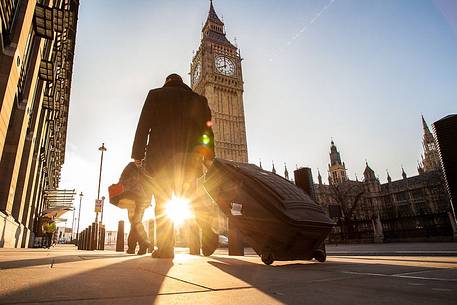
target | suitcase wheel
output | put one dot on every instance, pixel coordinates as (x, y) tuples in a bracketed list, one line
[(320, 256), (267, 257)]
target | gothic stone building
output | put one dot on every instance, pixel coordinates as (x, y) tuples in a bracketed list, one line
[(216, 73), (37, 41), (414, 207)]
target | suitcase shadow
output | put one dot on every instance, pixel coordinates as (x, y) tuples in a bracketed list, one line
[(267, 279), (283, 264)]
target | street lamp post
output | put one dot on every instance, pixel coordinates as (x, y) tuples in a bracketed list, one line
[(102, 149), (72, 224), (103, 207), (79, 215)]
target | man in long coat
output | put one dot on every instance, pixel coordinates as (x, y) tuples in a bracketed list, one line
[(173, 139)]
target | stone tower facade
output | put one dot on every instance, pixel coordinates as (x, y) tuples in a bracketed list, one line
[(336, 168), (430, 159), (216, 73)]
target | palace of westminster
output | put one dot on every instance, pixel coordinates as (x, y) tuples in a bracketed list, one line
[(37, 42), (415, 206)]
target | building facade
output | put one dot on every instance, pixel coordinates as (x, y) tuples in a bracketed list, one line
[(216, 73), (413, 208), (430, 157), (445, 130), (36, 59)]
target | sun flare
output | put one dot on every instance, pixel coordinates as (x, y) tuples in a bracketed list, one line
[(178, 210)]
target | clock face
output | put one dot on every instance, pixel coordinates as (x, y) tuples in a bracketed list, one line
[(197, 73), (225, 65)]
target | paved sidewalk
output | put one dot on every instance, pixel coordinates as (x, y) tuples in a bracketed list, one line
[(420, 249), (389, 249), (64, 275)]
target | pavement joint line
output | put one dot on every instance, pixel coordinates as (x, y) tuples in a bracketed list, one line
[(194, 284), (396, 260), (46, 301), (419, 271), (330, 279), (208, 290), (401, 276)]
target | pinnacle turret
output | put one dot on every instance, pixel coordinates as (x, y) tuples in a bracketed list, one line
[(430, 161), (403, 173), (425, 126), (212, 15), (368, 173), (336, 168)]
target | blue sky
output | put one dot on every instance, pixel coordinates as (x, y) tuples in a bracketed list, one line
[(359, 71)]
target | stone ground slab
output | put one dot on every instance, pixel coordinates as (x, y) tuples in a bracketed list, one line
[(64, 275)]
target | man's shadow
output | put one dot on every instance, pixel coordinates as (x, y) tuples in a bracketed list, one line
[(126, 281)]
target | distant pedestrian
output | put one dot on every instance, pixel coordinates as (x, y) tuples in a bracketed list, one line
[(174, 137), (49, 228)]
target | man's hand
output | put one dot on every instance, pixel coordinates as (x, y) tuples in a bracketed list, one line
[(138, 163)]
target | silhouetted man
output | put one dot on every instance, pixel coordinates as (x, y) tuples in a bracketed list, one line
[(174, 137)]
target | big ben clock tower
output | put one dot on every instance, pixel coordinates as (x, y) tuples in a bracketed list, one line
[(216, 74)]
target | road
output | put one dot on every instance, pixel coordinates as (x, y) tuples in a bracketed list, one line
[(64, 275)]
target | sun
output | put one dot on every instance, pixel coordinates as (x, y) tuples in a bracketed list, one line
[(178, 210)]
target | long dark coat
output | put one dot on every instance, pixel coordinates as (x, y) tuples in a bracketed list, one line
[(174, 121)]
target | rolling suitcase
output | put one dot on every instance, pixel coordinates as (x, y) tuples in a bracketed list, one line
[(275, 217)]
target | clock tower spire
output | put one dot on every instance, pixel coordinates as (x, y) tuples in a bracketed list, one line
[(216, 74)]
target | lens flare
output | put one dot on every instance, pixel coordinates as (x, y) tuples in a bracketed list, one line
[(178, 210), (205, 139)]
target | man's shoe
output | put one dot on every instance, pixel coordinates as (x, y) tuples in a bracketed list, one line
[(130, 251), (158, 254), (142, 250), (155, 254)]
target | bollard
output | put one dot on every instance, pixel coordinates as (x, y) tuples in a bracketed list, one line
[(101, 237), (151, 231), (120, 237), (88, 232), (90, 241), (101, 242), (99, 228), (86, 238), (83, 239), (94, 236), (235, 245), (79, 242)]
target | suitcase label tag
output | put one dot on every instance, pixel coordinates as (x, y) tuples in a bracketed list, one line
[(236, 209)]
